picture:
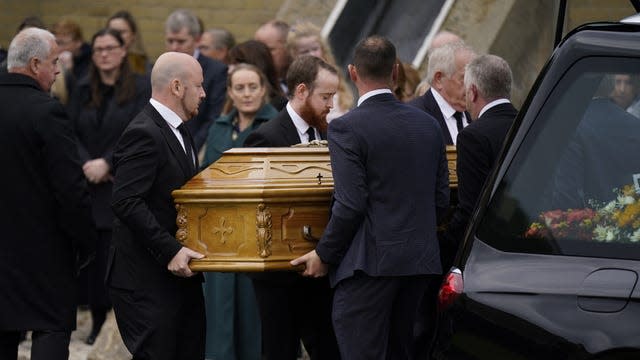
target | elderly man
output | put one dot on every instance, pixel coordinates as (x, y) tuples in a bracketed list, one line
[(445, 99), (47, 228), (391, 185), (216, 43), (284, 299), (182, 34), (157, 300), (487, 81), (274, 34)]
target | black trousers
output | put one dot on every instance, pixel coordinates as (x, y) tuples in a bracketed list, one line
[(162, 323), (45, 345), (294, 308), (373, 317)]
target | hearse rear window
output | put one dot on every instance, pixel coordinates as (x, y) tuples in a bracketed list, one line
[(573, 187)]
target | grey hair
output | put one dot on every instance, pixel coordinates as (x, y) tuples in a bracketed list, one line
[(491, 75), (443, 59), (183, 18), (222, 38), (28, 44)]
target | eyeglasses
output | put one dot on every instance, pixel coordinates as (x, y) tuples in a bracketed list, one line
[(107, 49)]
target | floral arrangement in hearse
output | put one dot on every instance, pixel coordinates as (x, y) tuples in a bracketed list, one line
[(617, 220)]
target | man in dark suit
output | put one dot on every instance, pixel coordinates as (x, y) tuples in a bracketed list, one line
[(391, 184), (293, 307), (47, 229), (182, 34), (488, 90), (157, 300), (445, 99)]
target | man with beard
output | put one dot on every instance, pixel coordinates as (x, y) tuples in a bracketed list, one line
[(285, 299), (157, 300)]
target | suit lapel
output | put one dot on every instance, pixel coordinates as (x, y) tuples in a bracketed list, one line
[(432, 106), (289, 129), (172, 140)]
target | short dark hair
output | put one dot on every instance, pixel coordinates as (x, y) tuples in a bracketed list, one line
[(374, 58), (304, 70)]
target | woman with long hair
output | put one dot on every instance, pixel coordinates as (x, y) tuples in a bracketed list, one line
[(101, 106), (124, 22)]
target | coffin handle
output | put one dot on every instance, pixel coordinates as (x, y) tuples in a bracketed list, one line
[(306, 234)]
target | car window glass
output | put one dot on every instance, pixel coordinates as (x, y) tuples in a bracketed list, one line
[(573, 188)]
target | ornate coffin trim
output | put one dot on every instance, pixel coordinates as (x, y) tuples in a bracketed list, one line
[(264, 230)]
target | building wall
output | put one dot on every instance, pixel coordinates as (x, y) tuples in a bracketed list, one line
[(241, 17)]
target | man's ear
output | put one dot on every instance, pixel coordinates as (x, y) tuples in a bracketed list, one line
[(176, 88), (473, 91), (301, 90), (353, 74), (34, 65), (437, 80)]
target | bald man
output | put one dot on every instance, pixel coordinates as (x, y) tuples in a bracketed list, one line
[(157, 300)]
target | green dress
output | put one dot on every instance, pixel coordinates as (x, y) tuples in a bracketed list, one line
[(233, 320)]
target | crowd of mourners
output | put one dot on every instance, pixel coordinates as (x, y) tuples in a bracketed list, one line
[(98, 134)]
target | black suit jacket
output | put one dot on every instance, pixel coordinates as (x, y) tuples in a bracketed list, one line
[(428, 104), (277, 132), (391, 182), (45, 211), (98, 138), (215, 88), (149, 164), (478, 147)]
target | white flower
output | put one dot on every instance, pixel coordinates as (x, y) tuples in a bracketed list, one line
[(600, 233), (610, 207), (625, 200), (635, 237)]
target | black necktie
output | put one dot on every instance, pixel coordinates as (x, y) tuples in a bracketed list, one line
[(458, 116), (188, 144), (312, 134)]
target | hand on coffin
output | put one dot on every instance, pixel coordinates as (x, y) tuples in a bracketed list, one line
[(179, 265), (314, 267)]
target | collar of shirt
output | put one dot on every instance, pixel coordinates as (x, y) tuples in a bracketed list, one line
[(170, 117), (300, 125), (447, 112), (492, 104), (372, 93), (196, 53)]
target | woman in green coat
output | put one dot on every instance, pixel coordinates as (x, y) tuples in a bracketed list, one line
[(233, 321)]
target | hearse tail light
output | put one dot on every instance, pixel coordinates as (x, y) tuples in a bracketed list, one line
[(450, 289)]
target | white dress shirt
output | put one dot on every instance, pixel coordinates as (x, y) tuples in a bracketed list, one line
[(447, 112), (301, 125)]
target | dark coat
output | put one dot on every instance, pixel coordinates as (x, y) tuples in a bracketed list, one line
[(478, 147), (45, 214), (428, 104), (98, 138), (220, 133), (391, 185), (215, 88), (149, 163), (277, 132)]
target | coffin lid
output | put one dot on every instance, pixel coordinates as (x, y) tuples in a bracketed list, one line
[(247, 174)]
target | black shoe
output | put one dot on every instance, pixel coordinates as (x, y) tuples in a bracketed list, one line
[(91, 339)]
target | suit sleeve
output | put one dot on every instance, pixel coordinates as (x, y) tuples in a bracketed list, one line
[(350, 194), (68, 182), (473, 166), (137, 162)]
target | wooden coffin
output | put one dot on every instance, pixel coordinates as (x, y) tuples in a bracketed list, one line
[(256, 209)]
